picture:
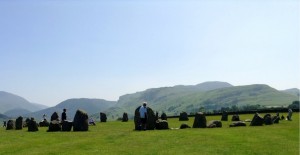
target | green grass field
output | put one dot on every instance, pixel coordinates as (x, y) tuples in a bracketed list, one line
[(119, 138)]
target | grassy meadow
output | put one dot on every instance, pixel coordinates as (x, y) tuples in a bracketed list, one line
[(119, 138)]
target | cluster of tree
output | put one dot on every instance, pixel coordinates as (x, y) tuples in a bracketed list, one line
[(294, 105)]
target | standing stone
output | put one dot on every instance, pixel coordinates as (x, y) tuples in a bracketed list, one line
[(151, 120), (161, 125), (214, 124), (163, 116), (19, 123), (257, 120), (32, 125), (268, 119), (235, 117), (125, 117), (103, 117), (67, 125), (54, 124), (224, 116), (80, 122), (54, 116), (289, 116), (200, 120), (183, 116), (10, 125)]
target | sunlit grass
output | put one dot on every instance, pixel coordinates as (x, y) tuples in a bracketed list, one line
[(120, 138)]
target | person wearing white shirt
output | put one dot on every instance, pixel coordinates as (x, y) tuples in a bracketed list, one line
[(143, 115)]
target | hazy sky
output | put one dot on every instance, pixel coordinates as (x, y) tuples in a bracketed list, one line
[(51, 51)]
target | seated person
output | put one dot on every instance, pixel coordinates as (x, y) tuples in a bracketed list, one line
[(91, 122)]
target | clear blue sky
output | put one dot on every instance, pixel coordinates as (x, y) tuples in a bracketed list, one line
[(51, 51)]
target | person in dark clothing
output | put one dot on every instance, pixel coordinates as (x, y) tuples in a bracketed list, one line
[(64, 115), (4, 123)]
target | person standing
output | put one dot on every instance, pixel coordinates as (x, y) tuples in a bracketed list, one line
[(143, 115), (64, 115)]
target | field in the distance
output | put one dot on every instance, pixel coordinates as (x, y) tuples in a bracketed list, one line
[(119, 138)]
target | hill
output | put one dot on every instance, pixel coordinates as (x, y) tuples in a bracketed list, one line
[(208, 96), (91, 106), (10, 101), (292, 91), (16, 112)]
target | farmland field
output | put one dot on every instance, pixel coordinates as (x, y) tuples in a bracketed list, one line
[(116, 137)]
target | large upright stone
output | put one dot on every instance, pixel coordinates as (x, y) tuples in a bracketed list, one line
[(10, 125), (163, 116), (19, 123), (54, 123), (183, 116), (54, 116), (200, 120), (151, 120), (81, 121), (224, 116), (125, 117), (103, 117), (32, 125), (257, 120)]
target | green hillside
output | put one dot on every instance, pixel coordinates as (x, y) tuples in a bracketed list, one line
[(173, 100)]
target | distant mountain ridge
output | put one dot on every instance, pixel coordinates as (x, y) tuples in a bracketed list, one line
[(91, 106), (211, 95), (9, 101)]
